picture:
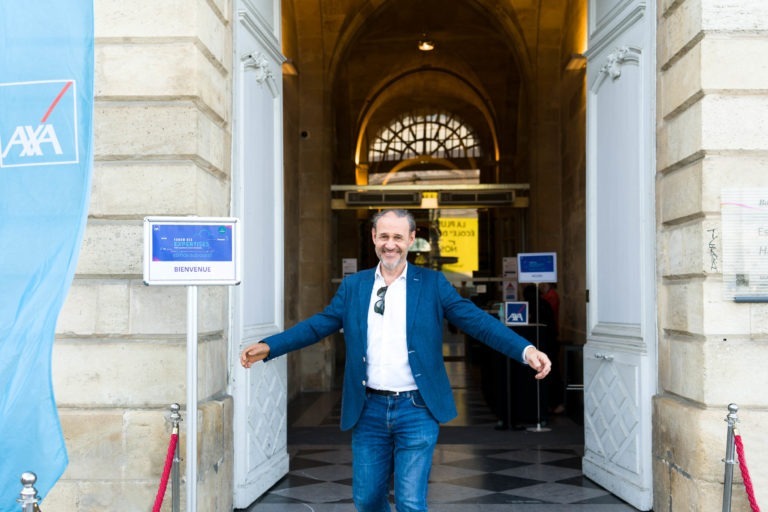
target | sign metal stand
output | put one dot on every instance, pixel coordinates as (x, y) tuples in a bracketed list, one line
[(537, 268), (538, 427), (191, 251), (192, 398)]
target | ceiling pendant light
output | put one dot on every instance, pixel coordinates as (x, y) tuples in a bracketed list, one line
[(426, 44)]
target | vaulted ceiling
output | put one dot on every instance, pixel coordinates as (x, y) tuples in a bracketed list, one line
[(484, 67)]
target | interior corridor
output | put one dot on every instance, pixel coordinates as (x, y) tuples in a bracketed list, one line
[(475, 466)]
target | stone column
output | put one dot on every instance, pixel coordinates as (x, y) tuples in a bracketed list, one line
[(712, 111), (162, 147)]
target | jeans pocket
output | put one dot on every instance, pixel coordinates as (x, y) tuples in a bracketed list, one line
[(418, 401)]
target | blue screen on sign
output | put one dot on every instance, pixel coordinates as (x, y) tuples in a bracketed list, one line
[(190, 242), (537, 264)]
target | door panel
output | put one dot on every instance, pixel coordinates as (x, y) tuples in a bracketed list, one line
[(620, 354), (612, 408), (259, 394)]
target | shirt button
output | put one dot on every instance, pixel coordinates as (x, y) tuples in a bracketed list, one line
[(363, 358), (363, 383)]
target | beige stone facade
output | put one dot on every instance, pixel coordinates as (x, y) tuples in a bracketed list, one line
[(164, 146), (710, 114)]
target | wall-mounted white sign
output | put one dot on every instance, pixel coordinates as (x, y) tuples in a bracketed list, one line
[(744, 237)]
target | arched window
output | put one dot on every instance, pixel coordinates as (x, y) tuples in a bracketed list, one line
[(439, 135)]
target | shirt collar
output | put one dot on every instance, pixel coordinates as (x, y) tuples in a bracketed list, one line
[(402, 275)]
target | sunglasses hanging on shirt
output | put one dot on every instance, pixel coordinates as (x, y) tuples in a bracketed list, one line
[(378, 307)]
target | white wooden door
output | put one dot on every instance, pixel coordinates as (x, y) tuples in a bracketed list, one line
[(259, 394), (620, 353)]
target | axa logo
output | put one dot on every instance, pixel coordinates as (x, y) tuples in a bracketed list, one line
[(39, 124), (517, 312)]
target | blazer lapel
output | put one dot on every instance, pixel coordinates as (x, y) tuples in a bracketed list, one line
[(364, 300), (412, 294)]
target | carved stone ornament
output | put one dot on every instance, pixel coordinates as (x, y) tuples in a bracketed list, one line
[(258, 62), (263, 74), (614, 61)]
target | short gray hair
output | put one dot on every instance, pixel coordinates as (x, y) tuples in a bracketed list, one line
[(398, 212)]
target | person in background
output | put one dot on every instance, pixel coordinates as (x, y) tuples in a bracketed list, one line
[(396, 390), (548, 293)]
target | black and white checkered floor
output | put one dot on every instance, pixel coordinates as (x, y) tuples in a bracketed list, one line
[(464, 478), (475, 467)]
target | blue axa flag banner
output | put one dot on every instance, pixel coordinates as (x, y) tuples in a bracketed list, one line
[(46, 158)]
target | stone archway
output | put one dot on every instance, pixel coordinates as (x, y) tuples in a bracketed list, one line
[(513, 57)]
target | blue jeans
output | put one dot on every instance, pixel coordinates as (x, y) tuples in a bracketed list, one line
[(394, 433)]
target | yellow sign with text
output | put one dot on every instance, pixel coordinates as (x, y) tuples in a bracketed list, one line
[(459, 239)]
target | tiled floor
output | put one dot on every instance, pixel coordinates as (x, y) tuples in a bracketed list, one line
[(464, 478), (475, 467)]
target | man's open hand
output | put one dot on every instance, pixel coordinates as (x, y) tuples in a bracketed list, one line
[(254, 353), (539, 361)]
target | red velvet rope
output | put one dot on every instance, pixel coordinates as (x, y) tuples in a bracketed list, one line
[(745, 474), (166, 472)]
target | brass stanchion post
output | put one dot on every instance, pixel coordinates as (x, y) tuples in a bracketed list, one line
[(730, 449)]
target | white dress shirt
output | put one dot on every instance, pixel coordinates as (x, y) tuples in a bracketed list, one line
[(387, 355)]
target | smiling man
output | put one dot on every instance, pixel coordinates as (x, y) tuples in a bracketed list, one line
[(392, 236), (396, 390)]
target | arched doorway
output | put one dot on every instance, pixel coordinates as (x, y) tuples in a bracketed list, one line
[(501, 76), (507, 70), (504, 69)]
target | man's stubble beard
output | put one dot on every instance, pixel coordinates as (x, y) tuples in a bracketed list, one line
[(391, 266)]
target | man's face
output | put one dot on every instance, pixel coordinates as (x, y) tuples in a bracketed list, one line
[(392, 238)]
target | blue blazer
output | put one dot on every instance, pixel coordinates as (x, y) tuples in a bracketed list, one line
[(430, 298)]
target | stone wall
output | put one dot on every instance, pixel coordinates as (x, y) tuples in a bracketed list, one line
[(712, 106), (291, 139), (162, 147), (313, 230), (572, 258)]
